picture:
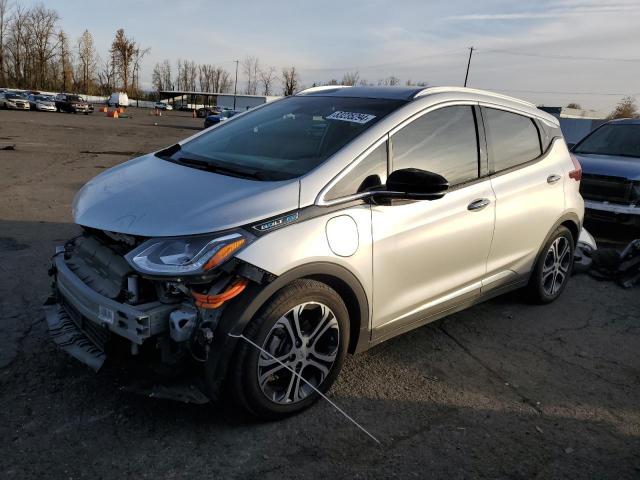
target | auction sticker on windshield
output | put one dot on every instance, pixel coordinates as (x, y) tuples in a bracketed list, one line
[(353, 117)]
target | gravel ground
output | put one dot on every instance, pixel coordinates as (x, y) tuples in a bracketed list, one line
[(503, 390)]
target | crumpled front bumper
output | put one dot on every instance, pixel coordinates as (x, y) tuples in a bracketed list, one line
[(81, 320)]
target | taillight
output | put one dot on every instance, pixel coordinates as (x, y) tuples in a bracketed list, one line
[(576, 173)]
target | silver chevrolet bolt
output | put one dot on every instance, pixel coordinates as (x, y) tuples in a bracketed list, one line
[(251, 257)]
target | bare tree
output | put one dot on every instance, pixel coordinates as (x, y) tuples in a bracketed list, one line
[(106, 76), (65, 61), (626, 108), (289, 81), (222, 81), (267, 77), (42, 32), (390, 81), (5, 17), (350, 78), (123, 51), (18, 46), (205, 77), (410, 83), (87, 62), (138, 55), (251, 69)]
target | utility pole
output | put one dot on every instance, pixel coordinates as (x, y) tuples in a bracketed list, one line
[(235, 88), (466, 77)]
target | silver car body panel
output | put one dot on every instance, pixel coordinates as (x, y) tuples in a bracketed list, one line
[(427, 252), (314, 241), (527, 208), (152, 197)]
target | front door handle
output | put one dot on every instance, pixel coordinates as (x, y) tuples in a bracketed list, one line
[(478, 204), (551, 179)]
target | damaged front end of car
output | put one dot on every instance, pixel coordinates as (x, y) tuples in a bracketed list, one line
[(147, 304)]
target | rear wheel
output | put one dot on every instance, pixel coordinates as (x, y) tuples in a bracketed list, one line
[(303, 335), (553, 269)]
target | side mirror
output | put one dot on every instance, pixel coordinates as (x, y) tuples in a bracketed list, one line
[(415, 184)]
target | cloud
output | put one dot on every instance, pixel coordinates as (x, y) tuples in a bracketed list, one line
[(572, 9)]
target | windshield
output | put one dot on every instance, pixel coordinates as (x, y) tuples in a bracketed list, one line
[(612, 139), (288, 138), (13, 96), (74, 98)]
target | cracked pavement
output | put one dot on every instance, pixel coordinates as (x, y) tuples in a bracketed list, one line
[(502, 390)]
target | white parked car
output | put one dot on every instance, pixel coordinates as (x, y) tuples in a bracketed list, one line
[(13, 101), (118, 99), (44, 103), (162, 106)]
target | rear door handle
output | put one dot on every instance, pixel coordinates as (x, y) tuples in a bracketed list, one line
[(478, 204), (551, 179)]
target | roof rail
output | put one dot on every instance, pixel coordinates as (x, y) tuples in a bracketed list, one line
[(321, 88), (430, 90)]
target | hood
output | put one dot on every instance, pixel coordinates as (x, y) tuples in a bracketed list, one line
[(609, 165), (152, 197)]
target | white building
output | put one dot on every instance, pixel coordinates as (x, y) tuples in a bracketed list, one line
[(242, 102)]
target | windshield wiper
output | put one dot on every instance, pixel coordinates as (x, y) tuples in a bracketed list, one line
[(168, 152), (211, 167)]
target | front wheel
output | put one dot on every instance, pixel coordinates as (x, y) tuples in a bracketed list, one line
[(303, 332), (553, 268)]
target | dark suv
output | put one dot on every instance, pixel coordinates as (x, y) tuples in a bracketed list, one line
[(69, 103), (610, 159)]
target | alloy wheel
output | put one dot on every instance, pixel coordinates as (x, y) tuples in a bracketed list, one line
[(305, 340), (556, 266)]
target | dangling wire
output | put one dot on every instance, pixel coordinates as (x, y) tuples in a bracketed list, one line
[(305, 381)]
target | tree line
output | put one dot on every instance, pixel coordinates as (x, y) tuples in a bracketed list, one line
[(36, 53), (193, 77)]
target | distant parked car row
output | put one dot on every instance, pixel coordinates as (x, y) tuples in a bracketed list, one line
[(63, 102)]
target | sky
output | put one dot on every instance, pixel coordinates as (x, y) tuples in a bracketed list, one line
[(550, 52)]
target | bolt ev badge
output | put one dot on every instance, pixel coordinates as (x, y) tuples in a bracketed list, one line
[(277, 222)]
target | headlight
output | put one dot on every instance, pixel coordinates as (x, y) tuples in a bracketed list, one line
[(193, 255)]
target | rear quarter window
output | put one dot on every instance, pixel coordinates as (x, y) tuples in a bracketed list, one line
[(512, 139)]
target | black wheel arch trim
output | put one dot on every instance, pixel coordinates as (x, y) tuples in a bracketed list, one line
[(239, 312)]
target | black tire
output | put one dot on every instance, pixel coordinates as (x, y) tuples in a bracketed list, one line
[(243, 377), (551, 274)]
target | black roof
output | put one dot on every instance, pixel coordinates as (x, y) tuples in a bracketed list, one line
[(390, 93), (626, 121)]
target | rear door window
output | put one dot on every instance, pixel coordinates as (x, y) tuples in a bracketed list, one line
[(512, 139)]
